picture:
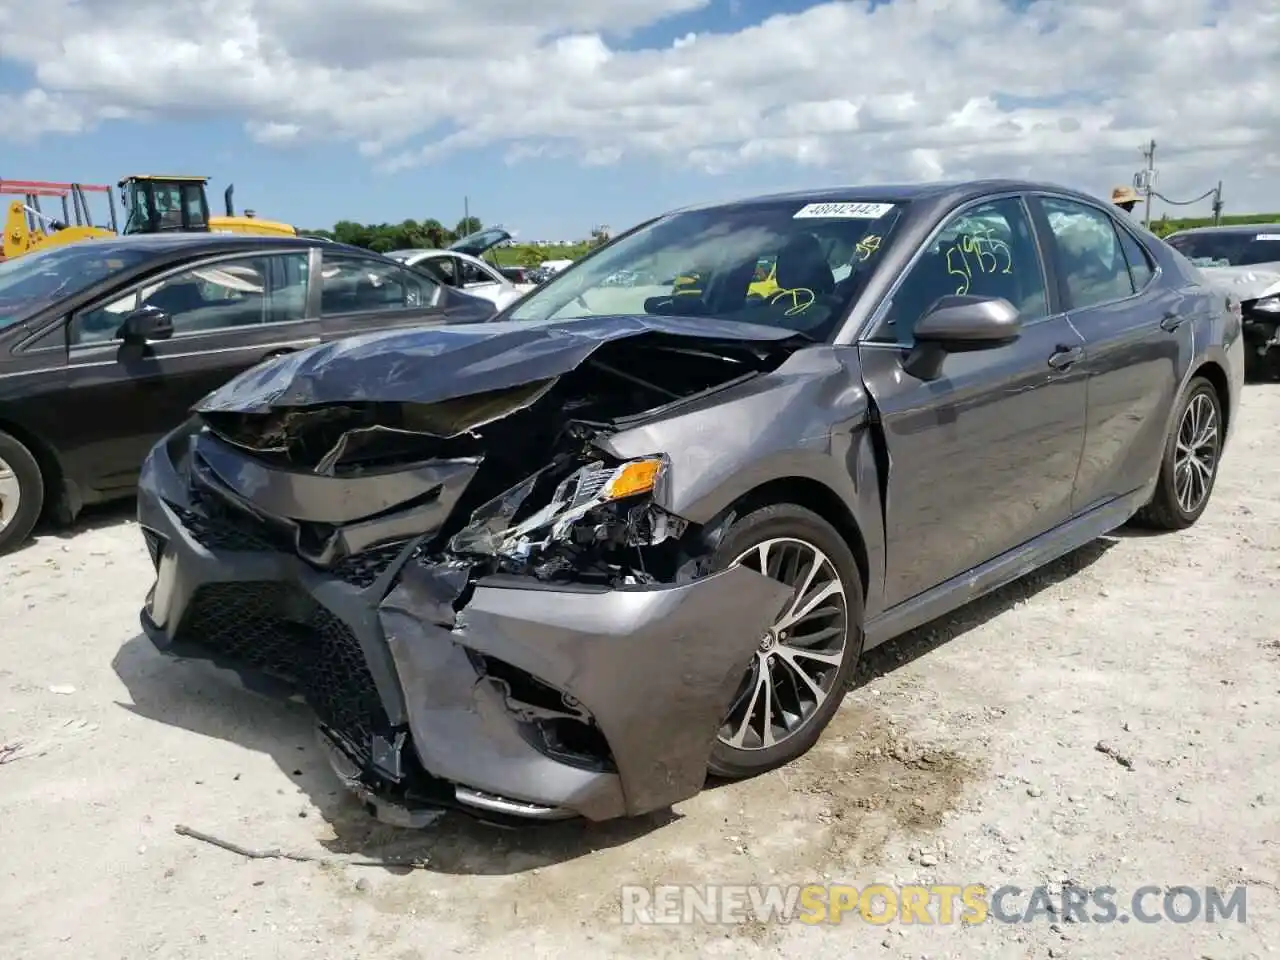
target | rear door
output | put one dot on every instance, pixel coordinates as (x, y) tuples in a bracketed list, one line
[(228, 314), (984, 458), (1138, 334), (365, 294)]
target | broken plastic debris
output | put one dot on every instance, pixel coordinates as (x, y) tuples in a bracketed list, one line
[(63, 688)]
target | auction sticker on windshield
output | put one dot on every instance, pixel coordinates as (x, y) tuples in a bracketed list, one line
[(1267, 236), (847, 211)]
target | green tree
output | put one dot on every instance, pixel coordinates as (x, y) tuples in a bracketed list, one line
[(468, 225), (437, 233)]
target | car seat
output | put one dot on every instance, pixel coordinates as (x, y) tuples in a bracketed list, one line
[(802, 264), (176, 298)]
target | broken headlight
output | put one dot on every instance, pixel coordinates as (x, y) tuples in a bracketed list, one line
[(597, 503), (598, 524), (1269, 304)]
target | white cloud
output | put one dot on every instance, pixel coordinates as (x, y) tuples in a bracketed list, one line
[(913, 89)]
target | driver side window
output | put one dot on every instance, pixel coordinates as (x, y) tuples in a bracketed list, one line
[(987, 250), (209, 297)]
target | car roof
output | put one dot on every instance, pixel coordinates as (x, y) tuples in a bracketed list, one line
[(942, 192), (1231, 228), (210, 242)]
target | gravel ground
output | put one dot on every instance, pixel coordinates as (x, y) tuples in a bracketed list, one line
[(970, 754)]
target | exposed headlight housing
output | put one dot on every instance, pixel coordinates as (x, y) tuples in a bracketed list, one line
[(588, 489), (1269, 304)]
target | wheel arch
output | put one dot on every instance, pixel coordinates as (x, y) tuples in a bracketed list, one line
[(52, 474), (1213, 371), (816, 496)]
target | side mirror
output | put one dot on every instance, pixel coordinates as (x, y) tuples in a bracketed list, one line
[(960, 324), (144, 325)]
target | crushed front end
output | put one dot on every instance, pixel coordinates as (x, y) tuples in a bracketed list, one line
[(483, 608), (1261, 322)]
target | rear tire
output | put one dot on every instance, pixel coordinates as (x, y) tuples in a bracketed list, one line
[(21, 493), (805, 665), (1189, 467)]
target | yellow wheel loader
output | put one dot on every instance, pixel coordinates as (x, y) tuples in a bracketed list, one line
[(160, 204), (28, 228), (152, 204)]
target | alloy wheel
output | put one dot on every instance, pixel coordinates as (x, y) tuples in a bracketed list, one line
[(1196, 456), (795, 666), (10, 494)]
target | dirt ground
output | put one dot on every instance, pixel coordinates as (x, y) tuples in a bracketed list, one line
[(970, 754)]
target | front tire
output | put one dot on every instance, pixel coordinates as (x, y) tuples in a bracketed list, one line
[(1189, 467), (21, 493), (800, 672)]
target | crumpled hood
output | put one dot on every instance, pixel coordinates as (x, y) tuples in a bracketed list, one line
[(430, 364), (1247, 283)]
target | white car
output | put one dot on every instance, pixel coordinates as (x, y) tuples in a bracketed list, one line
[(1243, 260), (461, 266)]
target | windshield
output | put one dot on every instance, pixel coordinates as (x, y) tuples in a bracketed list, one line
[(34, 280), (1228, 248), (779, 263)]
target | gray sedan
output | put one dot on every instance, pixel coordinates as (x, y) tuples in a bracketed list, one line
[(568, 562)]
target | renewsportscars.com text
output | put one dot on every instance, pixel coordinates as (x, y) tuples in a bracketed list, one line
[(934, 904)]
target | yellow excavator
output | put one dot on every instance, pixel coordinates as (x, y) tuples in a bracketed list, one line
[(153, 204)]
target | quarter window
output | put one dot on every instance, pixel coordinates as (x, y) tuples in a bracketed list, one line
[(1090, 258), (357, 285), (212, 296), (1141, 269), (987, 250)]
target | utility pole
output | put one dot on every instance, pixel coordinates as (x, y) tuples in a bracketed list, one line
[(466, 213), (1150, 154), (1217, 205)]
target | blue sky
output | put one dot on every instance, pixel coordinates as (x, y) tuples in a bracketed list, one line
[(540, 199), (936, 87)]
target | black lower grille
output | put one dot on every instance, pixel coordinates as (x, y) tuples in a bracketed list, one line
[(278, 629), (215, 535), (362, 569)]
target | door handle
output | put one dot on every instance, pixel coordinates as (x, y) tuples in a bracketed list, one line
[(1172, 320), (1064, 357)]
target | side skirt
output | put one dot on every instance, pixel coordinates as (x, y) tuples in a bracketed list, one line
[(1004, 569)]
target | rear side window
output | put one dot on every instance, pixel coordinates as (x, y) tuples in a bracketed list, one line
[(353, 284), (1141, 269), (1090, 259)]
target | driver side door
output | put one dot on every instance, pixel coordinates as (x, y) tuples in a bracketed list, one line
[(984, 458), (228, 314)]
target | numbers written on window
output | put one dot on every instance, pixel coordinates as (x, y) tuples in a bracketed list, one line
[(210, 297), (988, 251), (1090, 258), (357, 285)]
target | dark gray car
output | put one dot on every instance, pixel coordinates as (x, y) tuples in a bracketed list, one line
[(567, 562)]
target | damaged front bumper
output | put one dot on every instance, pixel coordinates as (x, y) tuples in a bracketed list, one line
[(501, 694)]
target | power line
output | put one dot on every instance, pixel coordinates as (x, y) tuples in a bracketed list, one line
[(1145, 181), (1185, 203)]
